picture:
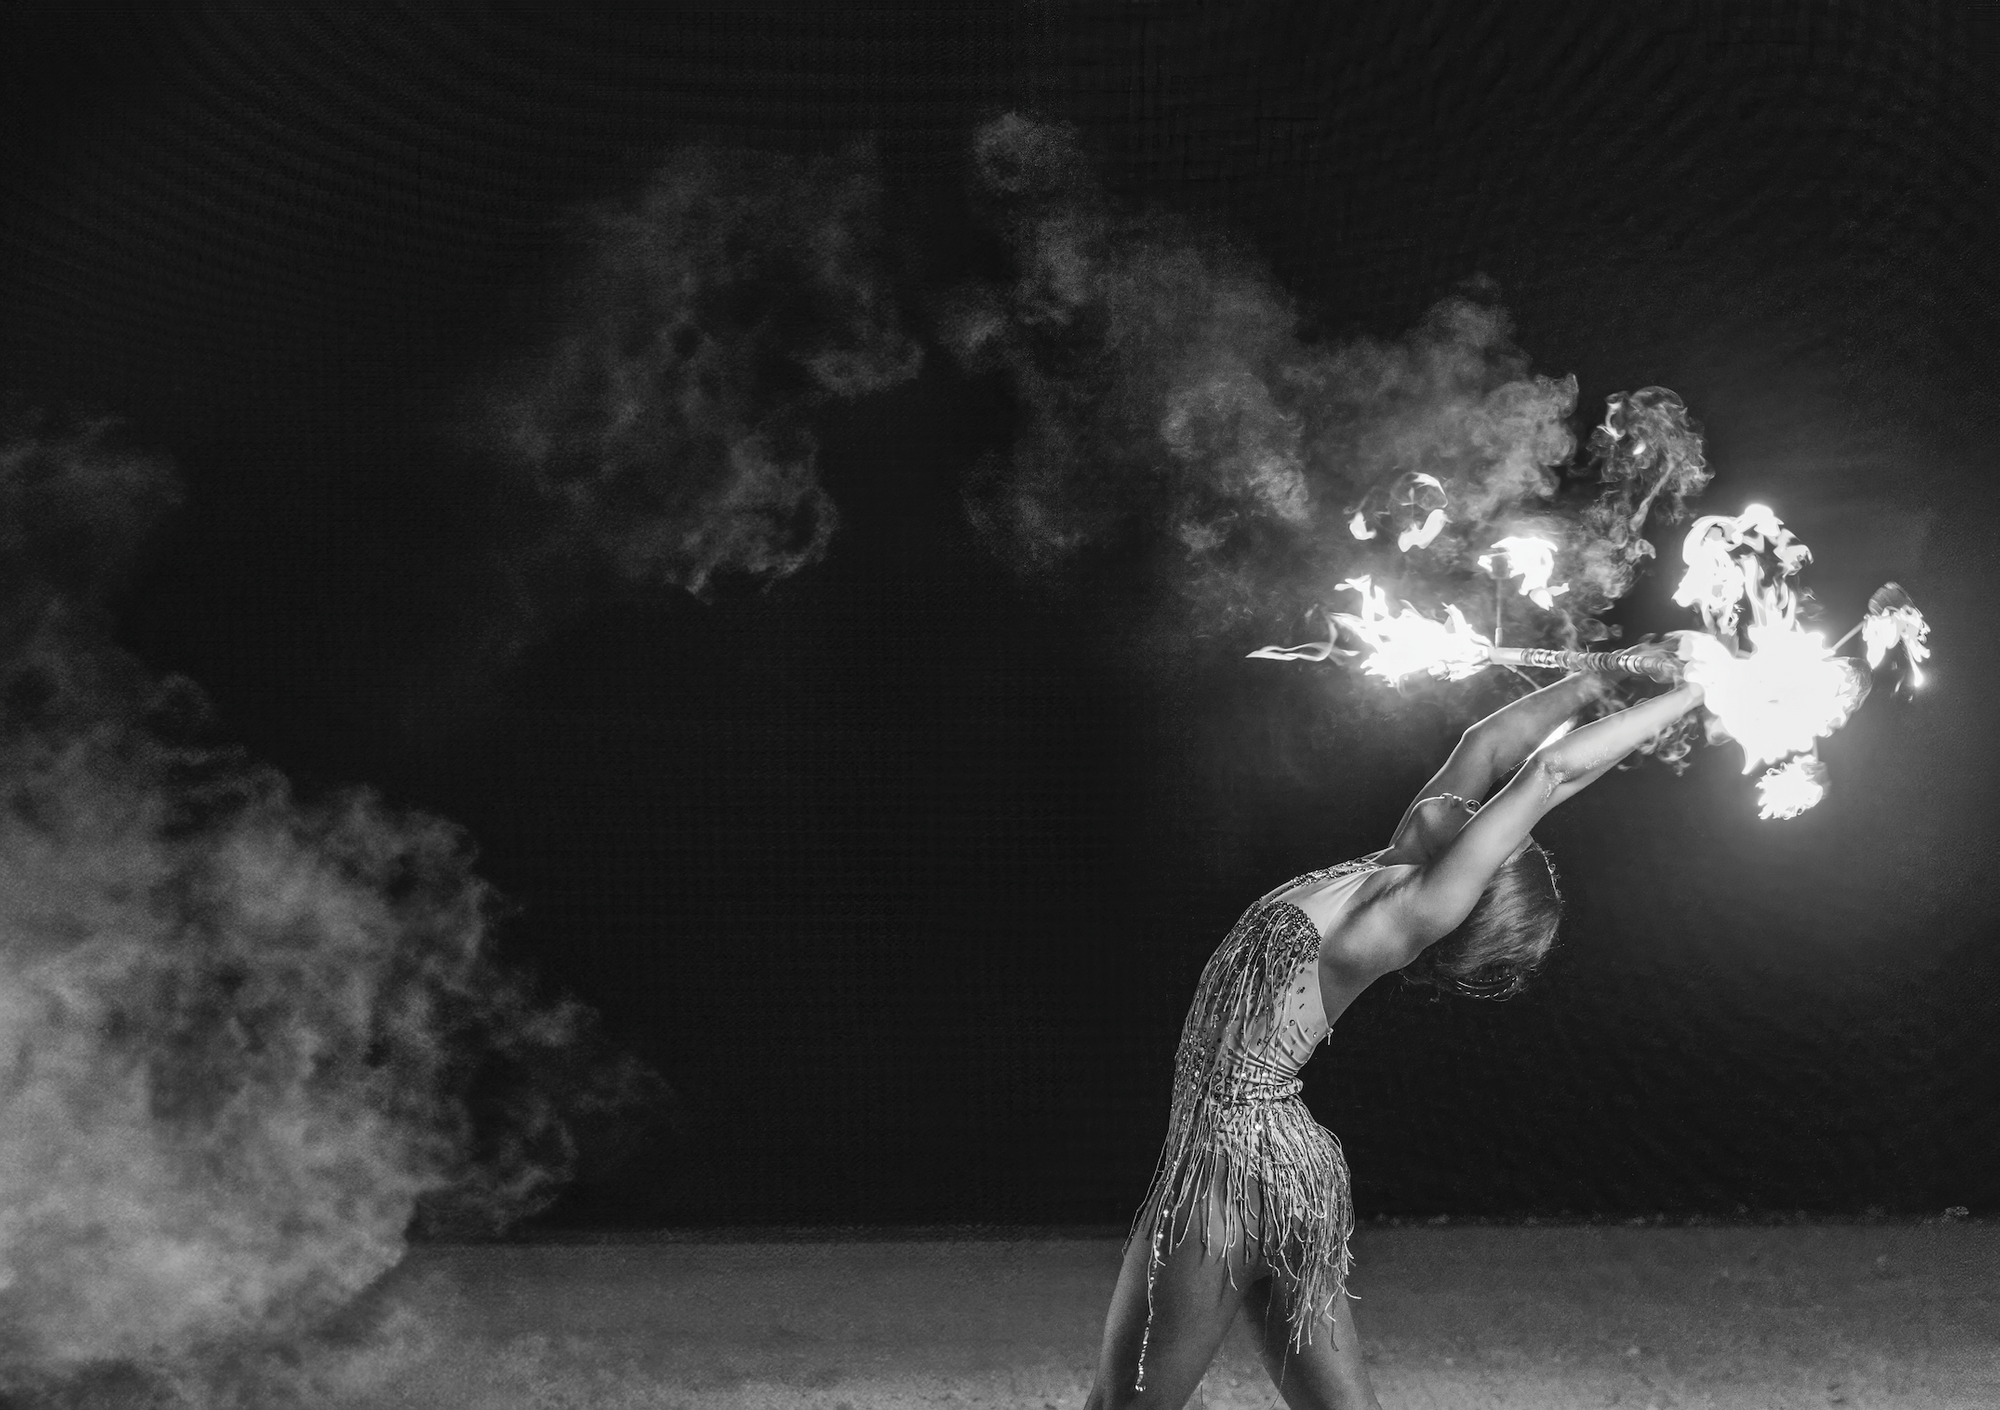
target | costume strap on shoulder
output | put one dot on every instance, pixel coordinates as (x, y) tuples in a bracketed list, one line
[(1469, 805)]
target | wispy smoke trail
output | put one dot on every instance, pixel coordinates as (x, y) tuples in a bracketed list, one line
[(667, 431), (75, 510), (240, 1031), (1170, 405), (1648, 454)]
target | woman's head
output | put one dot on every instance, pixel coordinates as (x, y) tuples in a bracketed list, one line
[(1500, 945)]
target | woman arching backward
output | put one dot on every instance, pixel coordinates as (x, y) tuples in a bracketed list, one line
[(1463, 898)]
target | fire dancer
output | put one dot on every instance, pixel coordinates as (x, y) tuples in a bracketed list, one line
[(1462, 898)]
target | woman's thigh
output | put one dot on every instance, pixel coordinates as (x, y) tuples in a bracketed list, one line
[(1327, 1373), (1195, 1296)]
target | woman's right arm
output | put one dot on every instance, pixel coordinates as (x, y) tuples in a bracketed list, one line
[(1570, 764), (1492, 747)]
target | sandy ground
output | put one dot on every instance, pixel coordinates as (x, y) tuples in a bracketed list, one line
[(1549, 1318)]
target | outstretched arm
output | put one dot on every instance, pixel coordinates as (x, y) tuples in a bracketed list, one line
[(1431, 900), (1493, 747)]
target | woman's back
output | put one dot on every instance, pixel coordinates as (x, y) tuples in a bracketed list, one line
[(1244, 1161), (1260, 1011), (1240, 1142)]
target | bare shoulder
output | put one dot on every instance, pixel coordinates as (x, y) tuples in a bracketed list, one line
[(1370, 936)]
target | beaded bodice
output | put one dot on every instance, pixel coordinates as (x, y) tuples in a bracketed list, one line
[(1258, 1014), (1237, 1121)]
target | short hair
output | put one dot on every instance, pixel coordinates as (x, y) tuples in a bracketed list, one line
[(1498, 947)]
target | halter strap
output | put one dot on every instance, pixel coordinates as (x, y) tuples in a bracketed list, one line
[(1470, 806)]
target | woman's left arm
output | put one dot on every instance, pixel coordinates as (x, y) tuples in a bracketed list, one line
[(1430, 900)]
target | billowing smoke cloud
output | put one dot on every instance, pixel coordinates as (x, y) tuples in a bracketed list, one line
[(667, 434), (1169, 405), (242, 1033), (1171, 409)]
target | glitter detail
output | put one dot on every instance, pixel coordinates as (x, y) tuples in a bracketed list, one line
[(1237, 1119)]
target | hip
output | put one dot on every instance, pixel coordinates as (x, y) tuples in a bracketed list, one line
[(1265, 1129), (1262, 1174)]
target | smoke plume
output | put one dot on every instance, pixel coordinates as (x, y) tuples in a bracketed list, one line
[(666, 433), (1648, 455), (243, 1033), (1170, 405)]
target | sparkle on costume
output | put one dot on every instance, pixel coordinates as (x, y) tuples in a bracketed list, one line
[(1237, 1119)]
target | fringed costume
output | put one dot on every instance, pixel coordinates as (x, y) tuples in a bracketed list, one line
[(1237, 1120)]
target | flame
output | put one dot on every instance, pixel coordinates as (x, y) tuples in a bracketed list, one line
[(1532, 560), (1421, 536), (1768, 684), (1899, 620), (1407, 643), (1775, 700), (1726, 567), (1794, 786), (1788, 689), (1359, 527)]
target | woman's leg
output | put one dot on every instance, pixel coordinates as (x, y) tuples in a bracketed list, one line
[(1193, 1303), (1327, 1373)]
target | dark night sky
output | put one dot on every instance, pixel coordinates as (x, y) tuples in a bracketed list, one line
[(901, 873)]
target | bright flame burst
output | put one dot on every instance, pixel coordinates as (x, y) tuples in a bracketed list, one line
[(1532, 560), (1406, 642), (1791, 788), (1788, 689), (1780, 696), (1730, 559)]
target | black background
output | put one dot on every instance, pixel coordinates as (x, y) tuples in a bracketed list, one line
[(901, 875)]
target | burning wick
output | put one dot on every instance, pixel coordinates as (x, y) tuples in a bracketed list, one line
[(1421, 536), (1531, 560), (1423, 494), (1893, 618), (1359, 526), (1777, 699)]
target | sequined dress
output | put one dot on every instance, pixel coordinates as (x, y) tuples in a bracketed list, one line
[(1237, 1119)]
